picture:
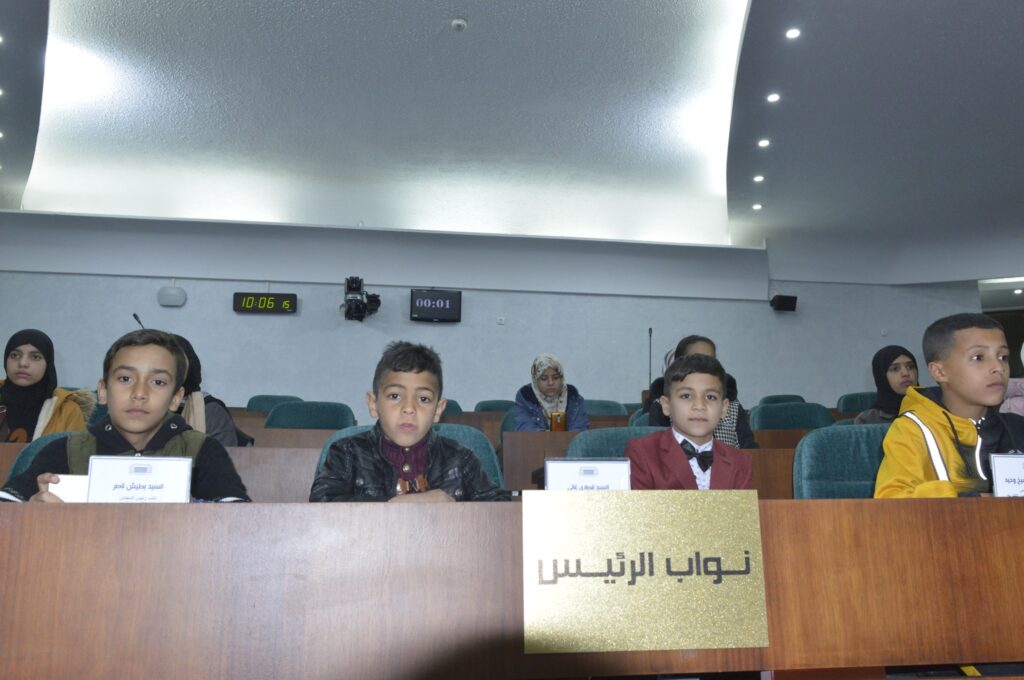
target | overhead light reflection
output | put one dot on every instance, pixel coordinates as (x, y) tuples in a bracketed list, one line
[(76, 75)]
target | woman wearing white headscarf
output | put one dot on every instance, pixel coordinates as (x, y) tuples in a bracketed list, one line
[(548, 392)]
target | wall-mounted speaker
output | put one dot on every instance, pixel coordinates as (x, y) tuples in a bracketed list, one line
[(783, 303), (171, 296)]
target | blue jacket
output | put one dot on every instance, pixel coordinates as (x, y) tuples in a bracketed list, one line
[(529, 414)]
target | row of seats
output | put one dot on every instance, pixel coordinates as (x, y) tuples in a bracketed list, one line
[(829, 462)]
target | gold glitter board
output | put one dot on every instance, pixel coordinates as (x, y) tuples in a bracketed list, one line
[(625, 570)]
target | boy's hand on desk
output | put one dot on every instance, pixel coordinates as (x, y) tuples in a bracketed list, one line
[(44, 496), (432, 496)]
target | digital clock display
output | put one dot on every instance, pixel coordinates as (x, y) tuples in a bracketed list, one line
[(266, 303), (431, 304)]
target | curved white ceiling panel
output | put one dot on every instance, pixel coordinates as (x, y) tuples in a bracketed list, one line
[(599, 119)]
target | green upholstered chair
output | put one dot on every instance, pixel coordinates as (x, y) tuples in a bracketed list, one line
[(315, 415), (640, 419), (604, 407), (501, 405), (267, 402), (838, 462), (453, 408), (633, 407), (28, 454), (781, 399), (845, 421), (607, 442), (855, 402), (790, 416), (470, 437)]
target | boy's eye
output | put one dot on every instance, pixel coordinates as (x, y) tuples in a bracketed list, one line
[(712, 397), (123, 378), (1004, 357), (158, 382), (425, 400), (391, 395)]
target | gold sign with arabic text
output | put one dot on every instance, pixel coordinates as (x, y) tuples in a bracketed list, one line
[(621, 570)]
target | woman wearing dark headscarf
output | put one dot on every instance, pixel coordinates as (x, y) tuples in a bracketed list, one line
[(201, 411), (894, 369), (33, 403)]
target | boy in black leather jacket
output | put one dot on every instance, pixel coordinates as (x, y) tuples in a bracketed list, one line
[(402, 459)]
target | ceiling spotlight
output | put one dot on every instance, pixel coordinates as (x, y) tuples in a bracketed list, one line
[(757, 206), (1, 93), (773, 97), (793, 33), (758, 178), (1, 135), (459, 24), (1018, 291), (763, 143)]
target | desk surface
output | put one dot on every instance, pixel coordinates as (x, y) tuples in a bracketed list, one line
[(404, 591)]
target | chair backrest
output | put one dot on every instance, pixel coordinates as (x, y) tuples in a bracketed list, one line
[(453, 408), (633, 406), (604, 407), (838, 462), (470, 437), (855, 402), (640, 419), (313, 415), (28, 454), (790, 416), (501, 405), (508, 423), (267, 402), (781, 399), (98, 413), (607, 442), (477, 442)]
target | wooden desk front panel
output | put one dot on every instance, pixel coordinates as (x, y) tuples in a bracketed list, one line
[(282, 475), (8, 454), (392, 591), (524, 452)]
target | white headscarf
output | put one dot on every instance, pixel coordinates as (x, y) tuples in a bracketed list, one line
[(542, 363)]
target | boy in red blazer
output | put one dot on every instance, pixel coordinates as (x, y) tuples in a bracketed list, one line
[(686, 456)]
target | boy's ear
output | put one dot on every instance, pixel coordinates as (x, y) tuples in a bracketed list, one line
[(442, 403), (937, 371), (664, 405), (101, 391), (725, 405), (178, 396), (371, 404)]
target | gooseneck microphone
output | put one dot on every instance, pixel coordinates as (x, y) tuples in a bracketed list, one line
[(650, 357), (137, 320)]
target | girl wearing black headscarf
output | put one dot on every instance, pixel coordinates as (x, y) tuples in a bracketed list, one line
[(201, 411), (33, 404), (894, 369)]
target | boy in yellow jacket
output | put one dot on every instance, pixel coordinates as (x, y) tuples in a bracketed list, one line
[(940, 444)]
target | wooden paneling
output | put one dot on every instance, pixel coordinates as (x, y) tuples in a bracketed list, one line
[(276, 475), (524, 453), (425, 591), (8, 453), (773, 473), (779, 439)]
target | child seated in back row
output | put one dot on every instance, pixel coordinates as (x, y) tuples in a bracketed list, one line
[(939, 446), (687, 456), (401, 458), (143, 372)]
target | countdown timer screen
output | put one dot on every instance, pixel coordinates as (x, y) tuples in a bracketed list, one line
[(430, 304)]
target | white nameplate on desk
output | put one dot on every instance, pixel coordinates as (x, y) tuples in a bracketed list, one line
[(139, 479), (586, 474), (1007, 474)]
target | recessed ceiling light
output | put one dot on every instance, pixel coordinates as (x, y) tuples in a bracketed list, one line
[(758, 178), (763, 143), (1, 93), (757, 206), (1018, 291), (773, 97), (793, 33), (1, 135)]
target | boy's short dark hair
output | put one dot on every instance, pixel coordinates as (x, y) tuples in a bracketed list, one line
[(694, 363), (149, 336), (406, 357), (938, 337), (689, 340)]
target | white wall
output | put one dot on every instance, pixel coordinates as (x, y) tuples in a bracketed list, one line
[(821, 351)]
